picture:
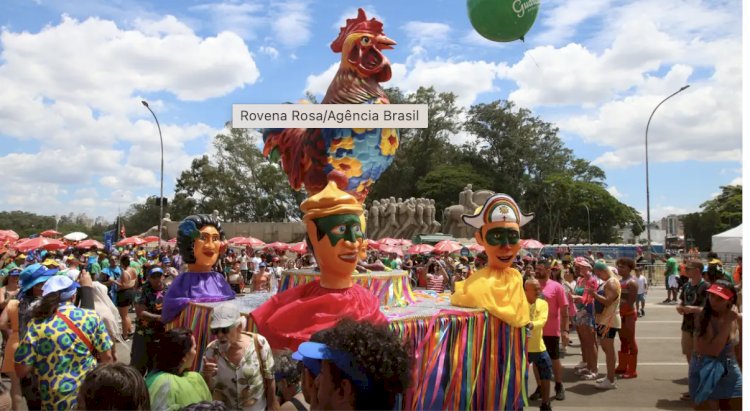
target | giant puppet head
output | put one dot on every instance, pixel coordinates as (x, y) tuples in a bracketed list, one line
[(498, 224), (200, 241), (335, 233)]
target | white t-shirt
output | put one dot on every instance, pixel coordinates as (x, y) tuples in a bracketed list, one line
[(641, 284), (256, 264), (243, 262)]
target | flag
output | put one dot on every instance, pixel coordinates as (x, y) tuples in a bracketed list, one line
[(122, 230), (109, 239)]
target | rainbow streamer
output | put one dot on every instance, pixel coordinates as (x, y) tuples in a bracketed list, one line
[(464, 360), (392, 288)]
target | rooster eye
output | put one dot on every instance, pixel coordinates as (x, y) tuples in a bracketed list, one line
[(365, 41)]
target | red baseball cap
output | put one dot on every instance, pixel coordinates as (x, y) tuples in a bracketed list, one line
[(721, 291)]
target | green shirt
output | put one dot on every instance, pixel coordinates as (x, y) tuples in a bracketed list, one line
[(96, 269), (671, 267), (170, 392)]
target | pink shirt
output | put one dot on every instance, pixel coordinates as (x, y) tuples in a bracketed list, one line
[(554, 294)]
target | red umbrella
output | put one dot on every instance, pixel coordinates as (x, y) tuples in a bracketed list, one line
[(373, 245), (390, 249), (420, 249), (531, 243), (40, 242), (235, 239), (299, 248), (251, 241), (151, 239), (50, 233), (278, 246), (405, 243), (389, 241), (131, 241), (476, 248), (86, 244), (172, 241), (8, 235), (447, 246)]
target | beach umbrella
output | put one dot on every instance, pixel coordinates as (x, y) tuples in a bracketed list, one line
[(447, 246), (531, 243), (373, 245), (76, 236), (392, 249), (151, 239), (130, 241), (8, 235), (235, 239), (278, 246), (299, 248), (420, 249), (476, 248), (390, 241), (50, 233), (40, 242), (404, 242), (250, 241), (90, 243)]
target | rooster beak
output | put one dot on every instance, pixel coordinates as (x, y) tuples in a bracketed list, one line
[(384, 43)]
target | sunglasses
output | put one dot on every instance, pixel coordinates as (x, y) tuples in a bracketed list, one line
[(223, 330)]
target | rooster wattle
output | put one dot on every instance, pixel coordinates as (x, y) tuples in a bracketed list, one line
[(353, 158)]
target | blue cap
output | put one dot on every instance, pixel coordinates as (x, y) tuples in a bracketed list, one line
[(156, 270), (35, 274), (342, 359)]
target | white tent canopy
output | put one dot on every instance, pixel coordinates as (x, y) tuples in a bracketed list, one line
[(729, 241)]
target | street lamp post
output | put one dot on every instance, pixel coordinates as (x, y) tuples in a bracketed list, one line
[(161, 189), (588, 219), (648, 192)]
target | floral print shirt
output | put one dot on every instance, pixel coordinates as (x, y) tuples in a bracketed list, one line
[(241, 386)]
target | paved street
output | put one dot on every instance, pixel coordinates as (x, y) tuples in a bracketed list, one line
[(662, 369)]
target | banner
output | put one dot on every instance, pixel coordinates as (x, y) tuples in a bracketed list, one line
[(109, 239)]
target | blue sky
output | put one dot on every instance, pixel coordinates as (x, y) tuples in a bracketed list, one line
[(74, 137)]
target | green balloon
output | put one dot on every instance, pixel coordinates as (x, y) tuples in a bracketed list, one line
[(502, 20)]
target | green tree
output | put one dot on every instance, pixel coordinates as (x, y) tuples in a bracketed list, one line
[(140, 217), (238, 182), (420, 150), (444, 181), (728, 206)]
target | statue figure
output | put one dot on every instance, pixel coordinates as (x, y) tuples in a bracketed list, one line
[(390, 216), (467, 203), (419, 217), (166, 218), (215, 214), (335, 233), (498, 287), (407, 221), (373, 220), (435, 225), (200, 241)]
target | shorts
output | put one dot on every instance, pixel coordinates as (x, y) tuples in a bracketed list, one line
[(725, 382), (672, 282), (125, 298), (641, 298), (585, 316), (687, 343), (543, 363), (553, 346), (602, 332)]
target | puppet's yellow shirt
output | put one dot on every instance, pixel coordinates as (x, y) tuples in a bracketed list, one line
[(498, 291)]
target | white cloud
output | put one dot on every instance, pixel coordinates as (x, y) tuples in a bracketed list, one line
[(426, 33), (562, 18), (243, 19), (736, 182), (351, 13), (290, 22), (660, 211), (318, 83), (615, 192), (269, 51)]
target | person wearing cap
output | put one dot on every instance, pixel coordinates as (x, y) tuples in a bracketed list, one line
[(498, 288), (608, 321), (288, 374), (714, 376), (9, 326), (62, 344), (335, 234), (200, 239), (238, 365), (584, 318), (557, 319), (359, 366), (148, 327)]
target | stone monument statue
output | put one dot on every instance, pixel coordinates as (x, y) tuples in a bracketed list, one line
[(468, 202)]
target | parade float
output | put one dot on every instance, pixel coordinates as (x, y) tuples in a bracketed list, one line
[(470, 347)]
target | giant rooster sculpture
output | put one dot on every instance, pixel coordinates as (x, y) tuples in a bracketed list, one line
[(353, 158)]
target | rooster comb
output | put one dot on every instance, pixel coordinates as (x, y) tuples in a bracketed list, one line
[(360, 24)]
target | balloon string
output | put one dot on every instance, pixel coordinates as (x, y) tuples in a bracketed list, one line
[(530, 55)]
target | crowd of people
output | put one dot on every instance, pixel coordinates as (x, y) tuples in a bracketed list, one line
[(65, 314)]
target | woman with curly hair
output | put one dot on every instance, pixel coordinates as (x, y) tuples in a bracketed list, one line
[(200, 240), (362, 366), (288, 373)]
